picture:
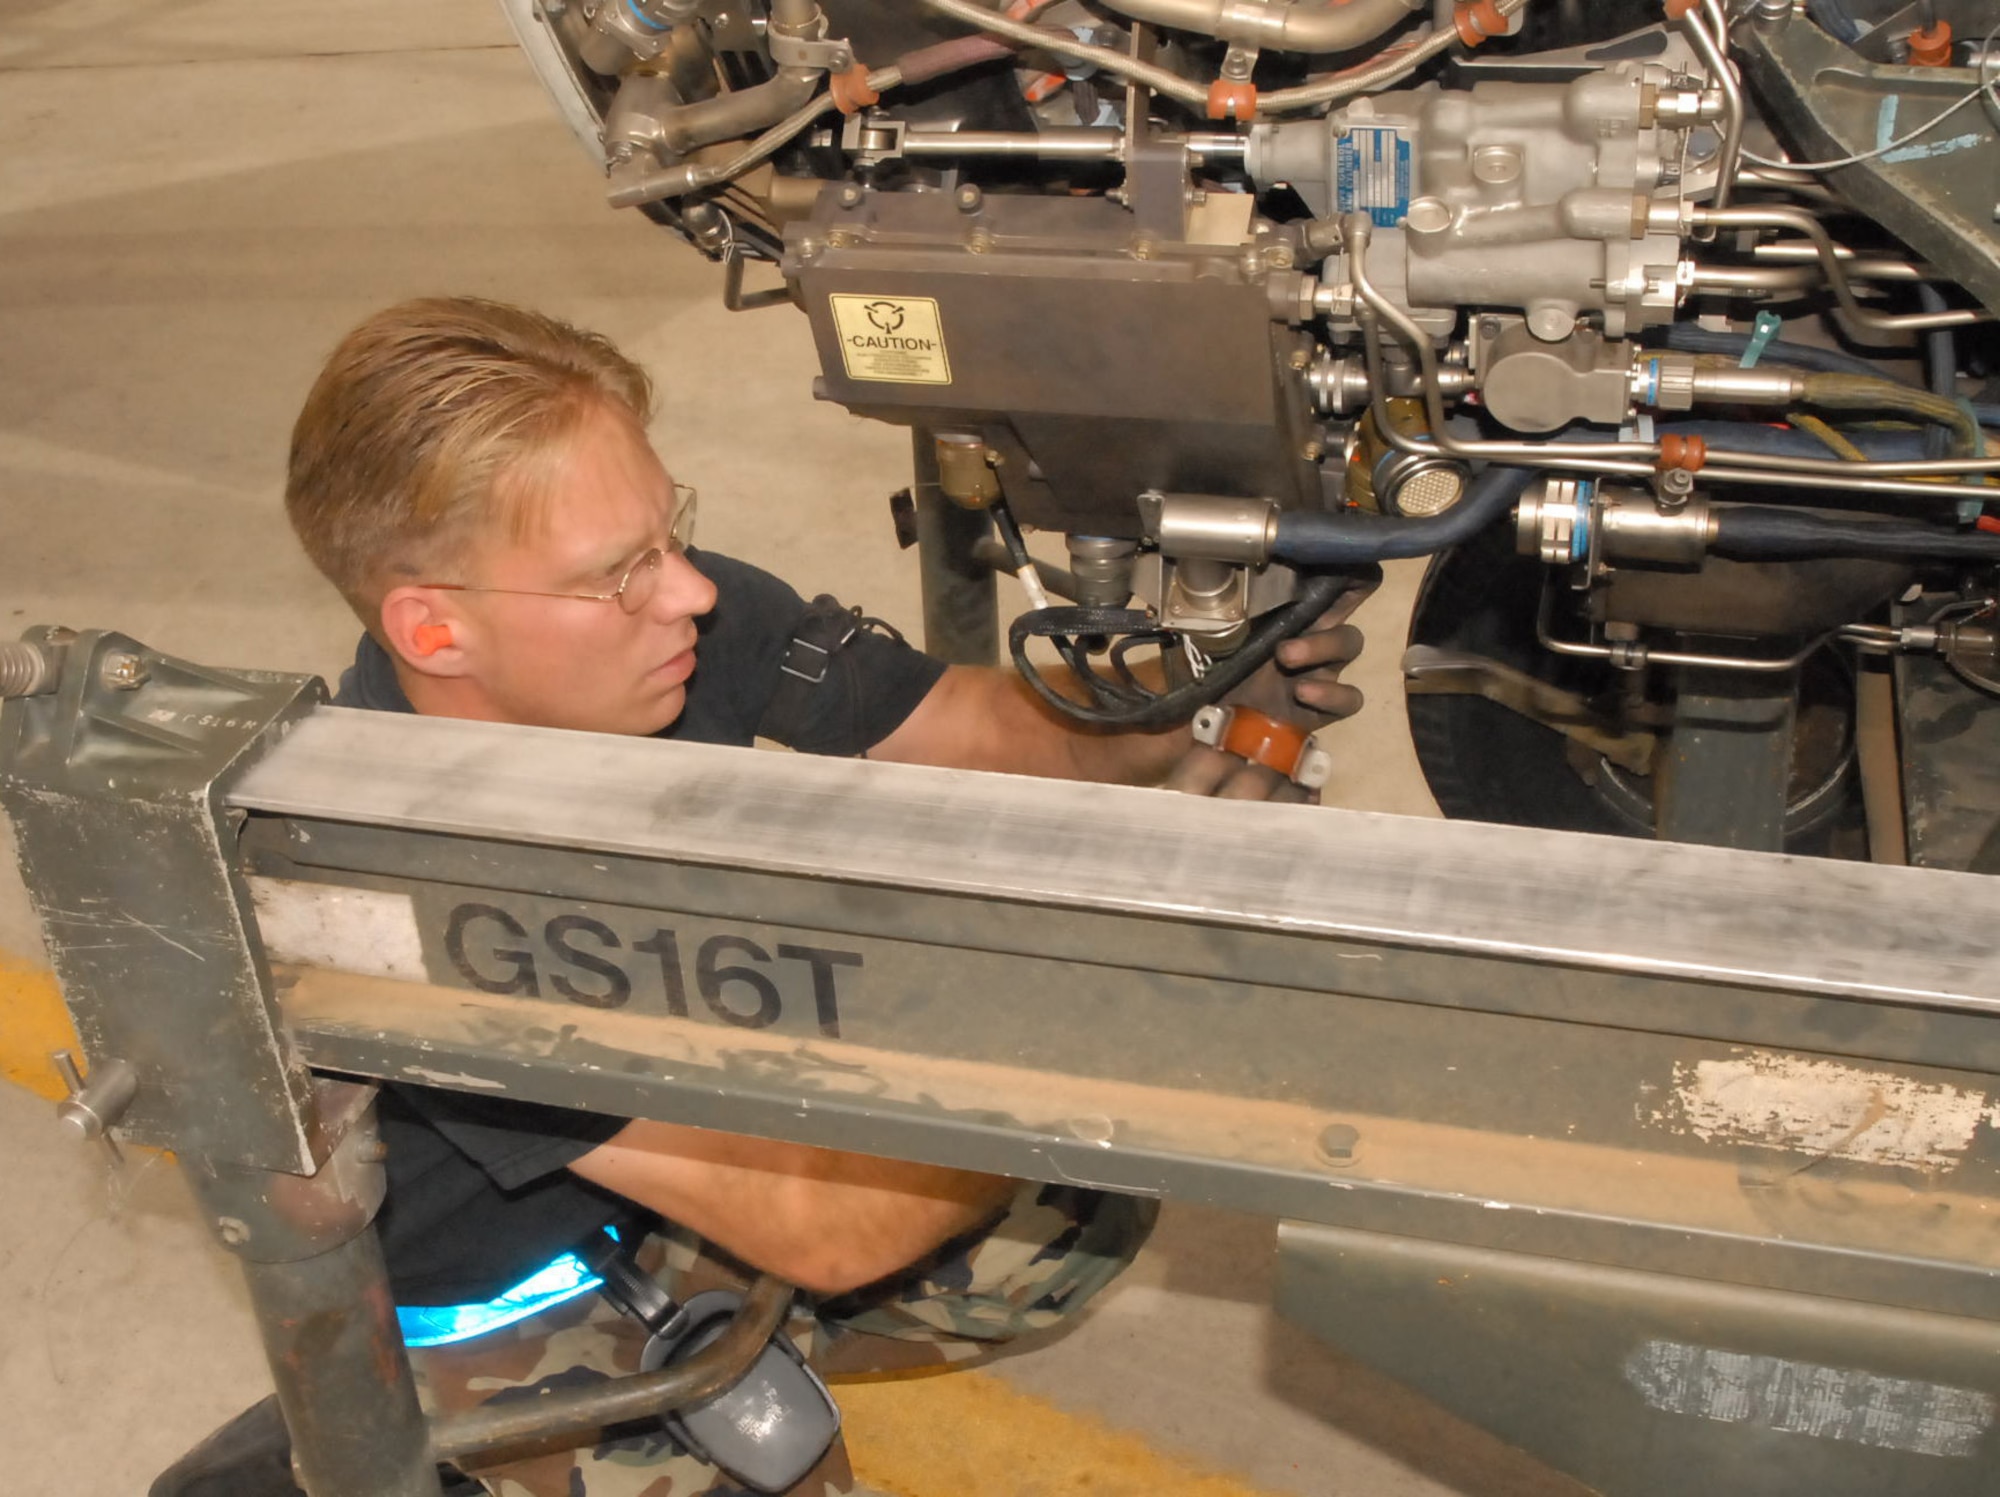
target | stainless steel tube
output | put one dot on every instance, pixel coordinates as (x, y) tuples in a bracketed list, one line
[(1798, 220), (1630, 459), (1782, 279), (1359, 230), (741, 111), (1042, 145), (1281, 25), (1394, 65), (1159, 79), (1712, 47)]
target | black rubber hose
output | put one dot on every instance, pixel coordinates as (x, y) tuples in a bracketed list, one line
[(1834, 20), (1316, 594), (1787, 441), (1311, 539), (1688, 337), (1940, 364), (1760, 533)]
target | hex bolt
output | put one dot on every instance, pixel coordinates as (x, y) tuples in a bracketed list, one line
[(1673, 488), (969, 198), (124, 672), (1339, 1144)]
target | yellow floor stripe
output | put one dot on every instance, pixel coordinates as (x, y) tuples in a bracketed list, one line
[(33, 1022), (971, 1434)]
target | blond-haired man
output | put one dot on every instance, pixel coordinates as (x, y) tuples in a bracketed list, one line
[(477, 481)]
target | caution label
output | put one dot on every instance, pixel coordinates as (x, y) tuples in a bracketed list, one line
[(895, 338)]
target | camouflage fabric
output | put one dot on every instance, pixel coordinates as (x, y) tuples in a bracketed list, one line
[(1053, 1248)]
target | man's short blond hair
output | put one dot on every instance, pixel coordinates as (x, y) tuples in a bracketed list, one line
[(435, 422)]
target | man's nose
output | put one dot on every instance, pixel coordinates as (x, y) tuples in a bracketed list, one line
[(683, 593)]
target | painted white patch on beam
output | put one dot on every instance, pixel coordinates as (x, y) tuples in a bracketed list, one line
[(1827, 1403), (370, 931), (1824, 1109)]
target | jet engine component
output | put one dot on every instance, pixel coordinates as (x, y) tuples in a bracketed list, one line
[(1234, 295)]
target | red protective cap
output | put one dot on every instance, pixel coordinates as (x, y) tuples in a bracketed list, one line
[(1677, 451), (1227, 100), (1476, 20), (1931, 47)]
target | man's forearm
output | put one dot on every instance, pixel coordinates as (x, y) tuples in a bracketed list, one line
[(984, 718), (824, 1220)]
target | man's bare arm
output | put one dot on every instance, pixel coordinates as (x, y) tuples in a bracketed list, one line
[(821, 1219), (982, 718)]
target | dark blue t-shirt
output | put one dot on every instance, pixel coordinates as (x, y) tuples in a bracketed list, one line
[(480, 1194)]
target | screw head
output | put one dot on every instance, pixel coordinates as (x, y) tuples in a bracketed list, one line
[(969, 198), (851, 195), (124, 672), (1339, 1144)]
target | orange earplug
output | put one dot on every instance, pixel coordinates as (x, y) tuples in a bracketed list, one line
[(430, 638)]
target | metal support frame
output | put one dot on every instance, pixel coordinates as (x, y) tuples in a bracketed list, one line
[(321, 1298), (1724, 774), (1650, 1081), (961, 598)]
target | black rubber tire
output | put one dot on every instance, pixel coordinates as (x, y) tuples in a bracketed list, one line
[(1484, 762)]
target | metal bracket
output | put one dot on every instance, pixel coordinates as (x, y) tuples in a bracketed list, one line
[(872, 137), (733, 295), (798, 52)]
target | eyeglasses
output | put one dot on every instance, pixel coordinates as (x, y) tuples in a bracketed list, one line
[(641, 580)]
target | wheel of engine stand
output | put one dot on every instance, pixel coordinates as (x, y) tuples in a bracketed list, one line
[(1486, 762)]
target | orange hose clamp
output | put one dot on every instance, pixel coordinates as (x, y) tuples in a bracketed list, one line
[(1931, 47), (1476, 20), (1263, 740), (1677, 451), (850, 89), (1237, 101)]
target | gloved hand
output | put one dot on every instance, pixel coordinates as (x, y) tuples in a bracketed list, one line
[(1301, 685)]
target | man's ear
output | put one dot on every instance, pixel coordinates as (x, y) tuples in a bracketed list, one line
[(425, 632)]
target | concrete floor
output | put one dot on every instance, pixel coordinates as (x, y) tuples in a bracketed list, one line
[(196, 198)]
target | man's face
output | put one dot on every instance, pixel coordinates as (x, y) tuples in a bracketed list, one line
[(573, 662)]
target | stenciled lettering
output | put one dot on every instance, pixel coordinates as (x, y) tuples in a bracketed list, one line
[(739, 981), (710, 980), (665, 945), (617, 989), (826, 1000), (523, 978)]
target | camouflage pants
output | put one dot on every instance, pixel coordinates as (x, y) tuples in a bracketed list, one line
[(1055, 1247)]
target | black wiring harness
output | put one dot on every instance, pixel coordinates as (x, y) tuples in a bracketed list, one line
[(1121, 700)]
